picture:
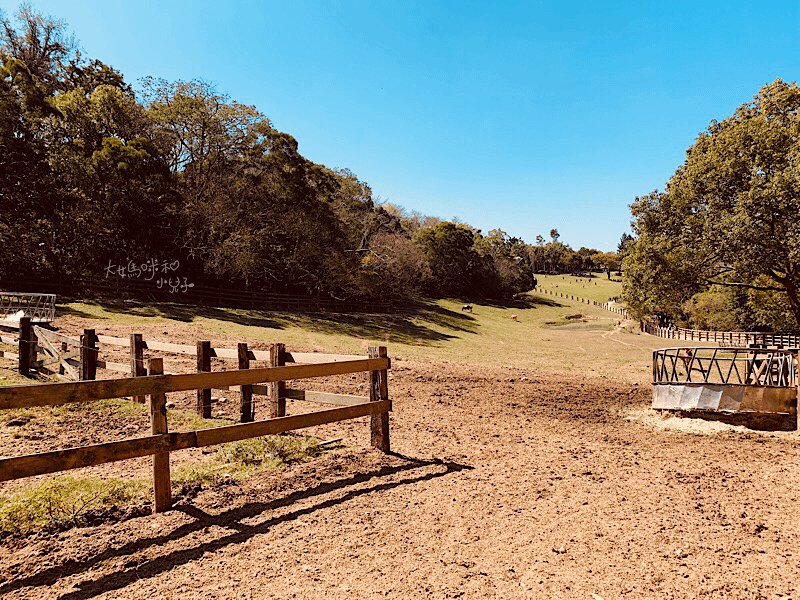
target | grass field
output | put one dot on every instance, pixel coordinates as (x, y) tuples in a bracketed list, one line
[(542, 337), (598, 287)]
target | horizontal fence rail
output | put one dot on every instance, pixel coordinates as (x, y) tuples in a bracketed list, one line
[(156, 385), (54, 394), (730, 338), (609, 306), (730, 366)]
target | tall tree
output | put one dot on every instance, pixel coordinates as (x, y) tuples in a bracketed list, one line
[(41, 42), (730, 215)]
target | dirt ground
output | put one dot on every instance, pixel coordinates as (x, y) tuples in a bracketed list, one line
[(502, 483)]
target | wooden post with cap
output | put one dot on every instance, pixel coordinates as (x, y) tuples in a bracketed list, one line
[(378, 391), (162, 486)]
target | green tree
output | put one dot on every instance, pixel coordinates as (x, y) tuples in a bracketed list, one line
[(41, 42), (453, 262), (729, 216)]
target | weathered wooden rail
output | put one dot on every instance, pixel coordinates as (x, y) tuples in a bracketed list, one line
[(731, 338), (157, 385)]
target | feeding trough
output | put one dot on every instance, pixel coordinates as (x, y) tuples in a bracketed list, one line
[(41, 308), (731, 380)]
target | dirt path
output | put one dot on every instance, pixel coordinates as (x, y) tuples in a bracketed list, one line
[(505, 485)]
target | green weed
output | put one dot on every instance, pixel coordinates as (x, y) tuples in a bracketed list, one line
[(62, 502), (183, 420), (239, 460)]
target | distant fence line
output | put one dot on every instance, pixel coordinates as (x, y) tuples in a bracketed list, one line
[(732, 338), (609, 306), (200, 294)]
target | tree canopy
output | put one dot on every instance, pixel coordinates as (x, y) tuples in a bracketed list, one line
[(729, 216), (92, 171)]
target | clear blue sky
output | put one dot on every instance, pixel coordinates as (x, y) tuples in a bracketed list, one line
[(522, 116)]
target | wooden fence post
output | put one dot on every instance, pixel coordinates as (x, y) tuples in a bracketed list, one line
[(797, 385), (162, 485), (204, 366), (277, 358), (88, 355), (60, 362), (137, 360), (247, 390), (378, 391), (25, 337)]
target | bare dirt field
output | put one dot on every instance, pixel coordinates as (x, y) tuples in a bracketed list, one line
[(503, 483)]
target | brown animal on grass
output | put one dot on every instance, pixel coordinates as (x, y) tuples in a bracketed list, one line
[(686, 355), (513, 317)]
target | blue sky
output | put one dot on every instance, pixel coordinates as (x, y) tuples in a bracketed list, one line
[(522, 116)]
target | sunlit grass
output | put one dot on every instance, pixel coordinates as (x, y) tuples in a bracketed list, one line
[(598, 287), (540, 338), (240, 460)]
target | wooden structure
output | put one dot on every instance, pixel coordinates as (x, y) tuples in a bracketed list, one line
[(40, 308), (78, 359), (202, 293), (730, 338), (609, 306), (729, 379), (161, 442)]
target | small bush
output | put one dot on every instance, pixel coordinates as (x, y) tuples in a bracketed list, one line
[(238, 460), (62, 502), (277, 449)]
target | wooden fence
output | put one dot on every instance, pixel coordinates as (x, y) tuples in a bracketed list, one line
[(609, 306), (78, 359), (201, 293), (161, 442), (732, 338)]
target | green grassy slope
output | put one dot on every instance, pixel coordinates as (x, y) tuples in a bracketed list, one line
[(541, 338), (598, 287)]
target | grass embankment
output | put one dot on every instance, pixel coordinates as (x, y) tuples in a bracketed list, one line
[(598, 287), (542, 337)]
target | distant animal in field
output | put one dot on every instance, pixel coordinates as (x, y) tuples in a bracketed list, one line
[(513, 317), (686, 356), (466, 308)]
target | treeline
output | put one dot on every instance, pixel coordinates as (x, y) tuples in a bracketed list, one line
[(94, 176)]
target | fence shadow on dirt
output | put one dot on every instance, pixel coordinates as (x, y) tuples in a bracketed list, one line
[(234, 519)]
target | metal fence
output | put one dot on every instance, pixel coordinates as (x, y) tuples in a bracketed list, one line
[(731, 365), (40, 308)]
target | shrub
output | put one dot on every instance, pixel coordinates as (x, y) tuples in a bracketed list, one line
[(62, 502)]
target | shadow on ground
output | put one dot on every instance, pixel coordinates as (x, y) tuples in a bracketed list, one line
[(418, 325), (757, 422), (235, 520), (522, 301)]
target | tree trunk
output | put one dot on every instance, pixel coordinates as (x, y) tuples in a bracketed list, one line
[(794, 300)]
